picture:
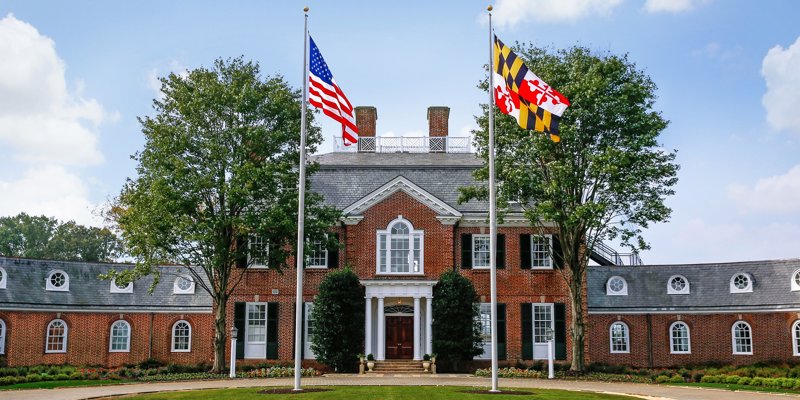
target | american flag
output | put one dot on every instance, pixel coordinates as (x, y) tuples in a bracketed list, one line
[(325, 94)]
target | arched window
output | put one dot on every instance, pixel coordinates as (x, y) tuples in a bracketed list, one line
[(741, 283), (795, 284), (620, 338), (120, 341), (182, 337), (678, 284), (2, 337), (56, 337), (58, 281), (3, 278), (400, 249), (184, 284), (796, 338), (115, 288), (616, 286), (742, 338), (679, 339)]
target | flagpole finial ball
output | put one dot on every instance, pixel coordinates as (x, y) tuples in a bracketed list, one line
[(305, 9), (490, 8)]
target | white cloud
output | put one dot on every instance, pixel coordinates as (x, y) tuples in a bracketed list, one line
[(672, 6), (778, 194), (781, 70), (511, 12), (41, 120), (49, 190)]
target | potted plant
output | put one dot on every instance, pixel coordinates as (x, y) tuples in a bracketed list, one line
[(370, 362), (426, 362), (433, 363), (361, 361)]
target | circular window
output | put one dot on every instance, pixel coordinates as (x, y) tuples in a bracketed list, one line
[(741, 282), (795, 281), (57, 280), (2, 278), (617, 286), (678, 284), (184, 284)]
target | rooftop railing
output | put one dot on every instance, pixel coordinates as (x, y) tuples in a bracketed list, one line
[(604, 254), (420, 144)]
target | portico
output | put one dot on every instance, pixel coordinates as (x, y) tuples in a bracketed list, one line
[(399, 315)]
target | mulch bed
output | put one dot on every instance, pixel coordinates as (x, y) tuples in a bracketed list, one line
[(476, 391), (291, 391)]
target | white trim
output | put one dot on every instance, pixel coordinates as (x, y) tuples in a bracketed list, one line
[(627, 337), (672, 338), (178, 290), (550, 260), (50, 287), (172, 331), (113, 310), (252, 264), (395, 185), (111, 338), (308, 353), (794, 278), (482, 236), (3, 279), (412, 233), (509, 220), (325, 245), (675, 311), (47, 336), (671, 290), (3, 335), (747, 289), (621, 292), (795, 338), (733, 338), (117, 289), (247, 328)]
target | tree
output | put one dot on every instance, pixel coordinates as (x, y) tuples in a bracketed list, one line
[(338, 314), (219, 165), (456, 325), (608, 177), (44, 237)]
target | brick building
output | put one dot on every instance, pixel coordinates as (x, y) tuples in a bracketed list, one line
[(402, 227)]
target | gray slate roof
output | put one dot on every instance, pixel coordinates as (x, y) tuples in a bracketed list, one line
[(344, 178), (709, 287), (25, 289)]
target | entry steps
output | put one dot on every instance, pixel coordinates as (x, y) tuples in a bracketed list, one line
[(398, 367)]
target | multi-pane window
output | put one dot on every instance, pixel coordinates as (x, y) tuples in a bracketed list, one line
[(742, 338), (257, 323), (796, 281), (678, 285), (616, 286), (258, 252), (184, 284), (542, 322), (480, 251), (741, 283), (540, 251), (486, 329), (400, 249), (795, 338), (2, 337), (3, 278), (57, 281), (318, 256), (181, 337), (120, 337), (620, 338), (309, 354), (680, 343), (56, 337)]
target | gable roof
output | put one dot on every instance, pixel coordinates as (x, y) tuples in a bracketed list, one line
[(397, 184)]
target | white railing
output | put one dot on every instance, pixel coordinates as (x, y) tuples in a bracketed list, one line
[(419, 144)]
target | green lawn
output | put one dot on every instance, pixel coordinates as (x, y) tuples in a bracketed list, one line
[(735, 387), (378, 392), (60, 384)]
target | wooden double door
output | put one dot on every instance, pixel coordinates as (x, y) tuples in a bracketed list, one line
[(399, 337)]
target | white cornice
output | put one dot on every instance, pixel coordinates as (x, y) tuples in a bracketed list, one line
[(509, 220), (398, 184), (351, 219)]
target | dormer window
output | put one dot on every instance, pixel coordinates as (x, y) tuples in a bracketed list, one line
[(400, 248), (678, 284), (795, 281), (57, 280), (616, 286), (742, 282), (184, 284), (115, 288), (3, 278)]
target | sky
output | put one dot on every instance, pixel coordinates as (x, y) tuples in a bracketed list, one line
[(76, 75)]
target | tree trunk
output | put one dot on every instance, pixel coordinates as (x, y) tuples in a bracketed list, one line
[(577, 323), (220, 335)]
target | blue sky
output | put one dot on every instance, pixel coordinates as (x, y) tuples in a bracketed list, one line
[(75, 75)]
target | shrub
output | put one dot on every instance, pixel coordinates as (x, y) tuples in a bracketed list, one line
[(662, 379), (676, 379), (336, 341), (745, 380), (697, 376), (732, 379)]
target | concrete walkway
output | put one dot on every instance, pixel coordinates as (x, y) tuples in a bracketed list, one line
[(651, 392)]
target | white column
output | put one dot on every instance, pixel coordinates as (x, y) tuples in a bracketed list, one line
[(429, 325), (417, 341), (381, 350), (368, 327)]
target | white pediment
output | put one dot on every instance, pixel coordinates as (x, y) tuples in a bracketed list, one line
[(401, 184)]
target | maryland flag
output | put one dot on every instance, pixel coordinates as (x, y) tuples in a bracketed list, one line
[(520, 93)]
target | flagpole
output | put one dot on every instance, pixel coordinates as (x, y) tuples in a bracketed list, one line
[(492, 210), (301, 209)]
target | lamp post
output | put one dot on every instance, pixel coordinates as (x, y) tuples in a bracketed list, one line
[(234, 333), (550, 372)]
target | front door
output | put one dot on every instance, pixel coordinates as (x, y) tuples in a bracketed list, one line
[(399, 337)]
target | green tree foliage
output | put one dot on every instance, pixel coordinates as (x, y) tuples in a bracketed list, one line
[(43, 237), (607, 179), (456, 324), (338, 315), (219, 164)]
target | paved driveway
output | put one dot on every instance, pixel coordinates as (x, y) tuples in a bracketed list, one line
[(652, 392)]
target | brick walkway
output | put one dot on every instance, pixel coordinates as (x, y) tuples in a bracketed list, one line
[(652, 392)]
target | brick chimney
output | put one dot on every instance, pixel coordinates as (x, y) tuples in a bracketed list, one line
[(365, 120), (437, 121)]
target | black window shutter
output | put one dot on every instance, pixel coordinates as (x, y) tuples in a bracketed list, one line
[(273, 261), (333, 254), (501, 332), (241, 251), (272, 331), (525, 251), (239, 315), (560, 331), (501, 251), (527, 331), (466, 250), (558, 253)]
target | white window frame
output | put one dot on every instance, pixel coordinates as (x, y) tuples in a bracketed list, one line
[(47, 337), (672, 338), (412, 233), (314, 243), (549, 239), (256, 263), (127, 348), (117, 289), (3, 278), (485, 309), (627, 336), (733, 338), (488, 263), (796, 338), (747, 289), (247, 329), (172, 346), (50, 287), (551, 323), (177, 290), (3, 334), (794, 281), (686, 289), (622, 292), (308, 353)]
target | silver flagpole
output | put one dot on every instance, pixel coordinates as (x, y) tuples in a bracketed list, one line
[(492, 209), (301, 210)]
